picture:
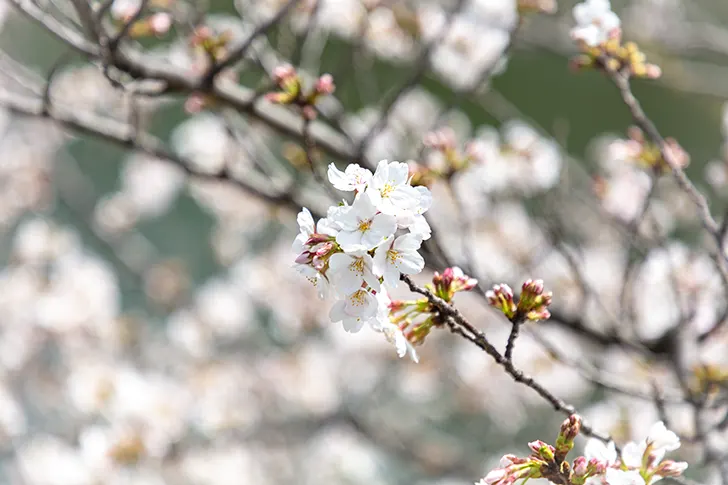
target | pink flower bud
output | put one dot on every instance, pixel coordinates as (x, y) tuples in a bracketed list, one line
[(283, 73), (325, 84), (670, 468), (304, 258), (495, 476), (160, 23), (537, 446), (580, 466)]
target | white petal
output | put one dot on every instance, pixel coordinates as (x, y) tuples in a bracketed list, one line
[(337, 313), (410, 263), (398, 173), (350, 240), (408, 242), (380, 256), (381, 175), (305, 222), (339, 179)]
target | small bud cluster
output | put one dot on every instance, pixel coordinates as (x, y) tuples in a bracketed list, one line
[(643, 152), (290, 90), (212, 48), (599, 37), (418, 317), (640, 463), (357, 248), (156, 23), (532, 305), (451, 281), (453, 160)]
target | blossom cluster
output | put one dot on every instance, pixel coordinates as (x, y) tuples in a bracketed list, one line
[(639, 464), (599, 35), (357, 247)]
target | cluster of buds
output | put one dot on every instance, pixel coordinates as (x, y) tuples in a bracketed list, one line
[(708, 379), (451, 281), (213, 45), (291, 92), (599, 37), (545, 460), (532, 305), (416, 318), (640, 464), (647, 154), (157, 23), (444, 143), (211, 48)]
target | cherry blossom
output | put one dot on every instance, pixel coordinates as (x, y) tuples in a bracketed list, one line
[(398, 256)]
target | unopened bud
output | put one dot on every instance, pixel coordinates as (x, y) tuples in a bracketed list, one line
[(325, 84), (581, 467), (670, 468), (494, 476), (501, 297), (160, 23), (542, 450), (283, 73)]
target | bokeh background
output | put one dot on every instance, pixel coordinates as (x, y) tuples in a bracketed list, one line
[(152, 331)]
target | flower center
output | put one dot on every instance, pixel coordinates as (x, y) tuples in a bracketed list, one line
[(357, 266), (358, 298), (387, 189), (365, 225), (393, 256)]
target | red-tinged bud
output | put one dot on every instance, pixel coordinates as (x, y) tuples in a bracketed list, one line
[(670, 468), (570, 427), (596, 466), (542, 450), (304, 258), (324, 249), (495, 476), (653, 71), (160, 23), (283, 73), (501, 297), (580, 467), (325, 85), (533, 302), (317, 239)]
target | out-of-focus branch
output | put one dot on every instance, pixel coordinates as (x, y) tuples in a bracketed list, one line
[(124, 135)]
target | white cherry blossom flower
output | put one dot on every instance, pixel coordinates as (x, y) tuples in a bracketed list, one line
[(362, 226), (661, 438), (390, 190), (353, 178), (606, 454), (595, 22), (398, 256), (355, 310), (632, 454), (349, 271)]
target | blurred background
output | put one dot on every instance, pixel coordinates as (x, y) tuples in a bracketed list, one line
[(151, 327)]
